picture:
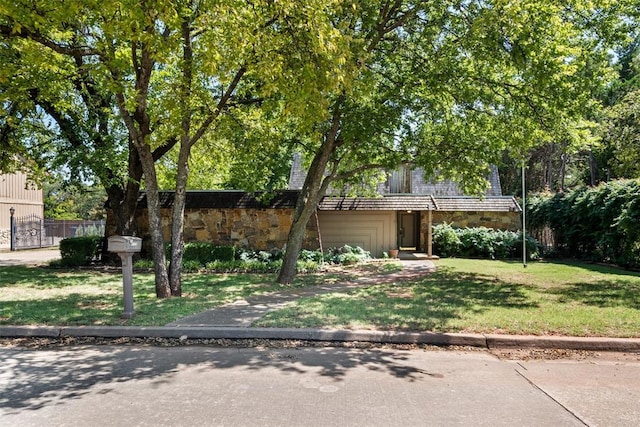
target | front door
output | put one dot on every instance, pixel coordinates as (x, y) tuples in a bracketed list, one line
[(408, 230)]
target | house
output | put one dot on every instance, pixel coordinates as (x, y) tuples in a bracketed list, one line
[(400, 217), (26, 200), (409, 205)]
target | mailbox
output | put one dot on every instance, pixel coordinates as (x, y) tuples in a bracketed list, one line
[(124, 244)]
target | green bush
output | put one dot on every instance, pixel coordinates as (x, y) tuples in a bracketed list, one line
[(596, 224), (240, 266), (346, 255), (445, 240), (480, 242), (190, 266), (143, 264), (76, 251), (204, 252)]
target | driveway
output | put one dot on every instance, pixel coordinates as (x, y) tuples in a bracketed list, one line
[(29, 257)]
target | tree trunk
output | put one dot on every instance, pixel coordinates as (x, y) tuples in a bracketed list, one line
[(155, 222), (177, 218), (563, 171), (314, 187)]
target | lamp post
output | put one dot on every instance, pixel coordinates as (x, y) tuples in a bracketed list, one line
[(524, 218), (12, 230)]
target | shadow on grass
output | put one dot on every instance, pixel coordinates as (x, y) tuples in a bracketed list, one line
[(603, 293), (72, 309), (427, 304), (45, 278)]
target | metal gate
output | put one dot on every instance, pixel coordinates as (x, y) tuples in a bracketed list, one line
[(28, 232)]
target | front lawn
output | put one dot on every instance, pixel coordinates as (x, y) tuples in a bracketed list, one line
[(483, 296), (477, 296), (45, 296)]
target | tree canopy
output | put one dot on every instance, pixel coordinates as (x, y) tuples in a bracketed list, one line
[(133, 79), (450, 85), (130, 89)]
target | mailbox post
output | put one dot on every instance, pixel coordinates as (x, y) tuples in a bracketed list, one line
[(125, 247)]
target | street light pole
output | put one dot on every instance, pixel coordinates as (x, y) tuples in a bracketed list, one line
[(12, 230), (524, 219)]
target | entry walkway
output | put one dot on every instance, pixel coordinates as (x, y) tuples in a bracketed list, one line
[(242, 313)]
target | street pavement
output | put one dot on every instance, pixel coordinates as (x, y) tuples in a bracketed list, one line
[(213, 386), (28, 257)]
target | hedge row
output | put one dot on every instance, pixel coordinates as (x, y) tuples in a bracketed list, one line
[(594, 223), (480, 242), (77, 251), (206, 256)]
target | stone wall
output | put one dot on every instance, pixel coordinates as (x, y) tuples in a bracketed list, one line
[(497, 220), (259, 229)]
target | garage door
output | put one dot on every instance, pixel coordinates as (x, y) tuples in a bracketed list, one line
[(374, 231)]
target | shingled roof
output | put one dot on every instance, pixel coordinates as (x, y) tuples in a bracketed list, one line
[(222, 199), (473, 204), (420, 203), (385, 203)]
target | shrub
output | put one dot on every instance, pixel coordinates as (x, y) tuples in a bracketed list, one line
[(250, 255), (76, 251), (204, 252), (346, 255), (240, 266), (191, 265), (480, 242), (143, 264), (445, 240), (597, 224)]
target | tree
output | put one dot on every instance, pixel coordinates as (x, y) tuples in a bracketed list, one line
[(67, 201), (58, 113), (449, 85), (158, 74), (622, 136)]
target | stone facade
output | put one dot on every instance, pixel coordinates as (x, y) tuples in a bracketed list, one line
[(259, 229), (497, 220)]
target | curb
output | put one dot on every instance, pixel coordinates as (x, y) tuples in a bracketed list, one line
[(489, 341)]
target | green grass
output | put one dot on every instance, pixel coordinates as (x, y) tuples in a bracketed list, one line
[(482, 296), (462, 296), (44, 296)]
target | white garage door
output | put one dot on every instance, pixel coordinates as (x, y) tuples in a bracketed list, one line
[(374, 231)]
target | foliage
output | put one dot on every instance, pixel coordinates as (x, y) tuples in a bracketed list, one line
[(135, 79), (77, 251), (204, 252), (621, 137), (143, 264), (445, 240), (67, 201), (257, 266), (90, 230), (346, 255), (448, 86), (480, 242), (599, 224)]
